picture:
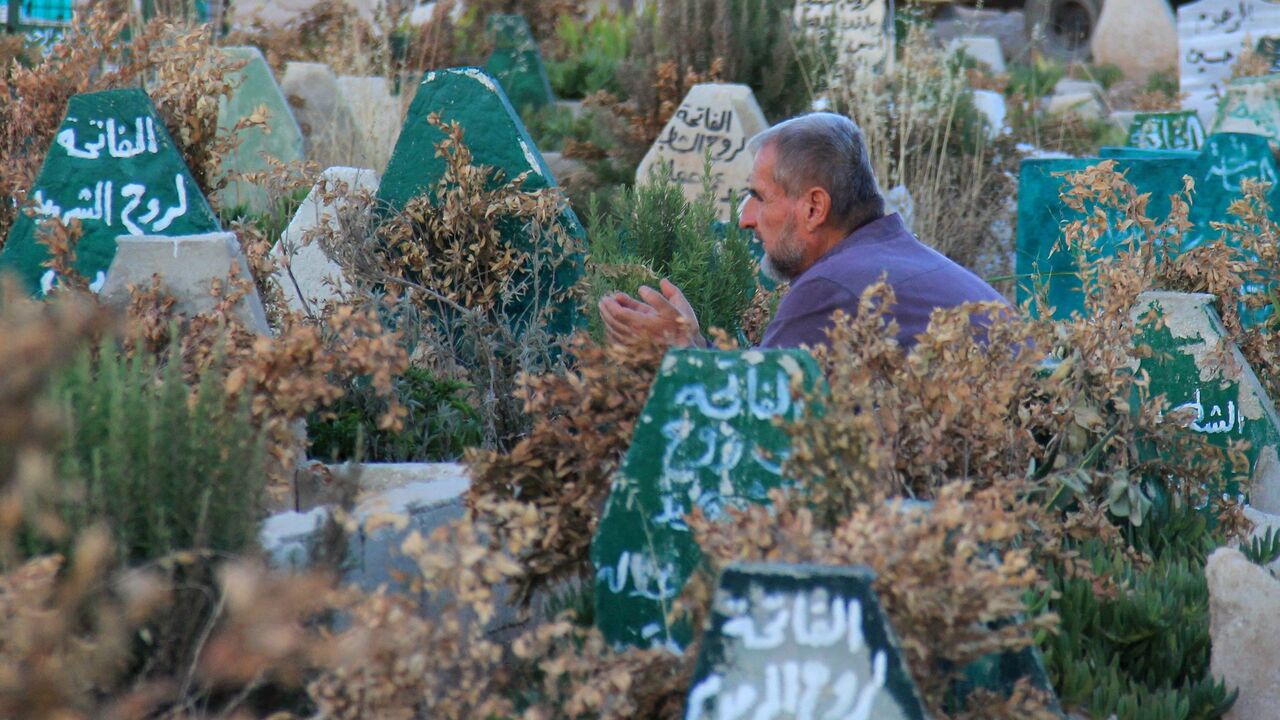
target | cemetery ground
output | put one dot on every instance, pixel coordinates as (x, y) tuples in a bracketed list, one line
[(307, 413)]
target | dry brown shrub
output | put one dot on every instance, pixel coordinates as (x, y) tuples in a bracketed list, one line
[(922, 131), (945, 575), (302, 369), (330, 32), (563, 468)]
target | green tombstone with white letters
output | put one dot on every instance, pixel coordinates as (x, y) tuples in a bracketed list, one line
[(1167, 131), (498, 140), (706, 439), (112, 166), (1224, 401), (800, 641), (1046, 267)]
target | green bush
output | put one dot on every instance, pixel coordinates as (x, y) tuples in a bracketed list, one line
[(652, 231), (1133, 641), (166, 466), (440, 424), (588, 54)]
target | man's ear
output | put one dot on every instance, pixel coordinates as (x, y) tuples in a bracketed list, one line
[(817, 208)]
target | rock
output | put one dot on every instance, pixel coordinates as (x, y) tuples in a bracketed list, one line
[(307, 276), (188, 266), (1212, 34), (1244, 600), (984, 49), (1085, 105), (377, 117), (113, 167), (281, 139), (714, 118), (1071, 86), (326, 120), (1251, 105), (1009, 28), (991, 104), (1138, 36)]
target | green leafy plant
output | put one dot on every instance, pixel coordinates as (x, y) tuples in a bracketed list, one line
[(586, 55), (1263, 549), (166, 466), (438, 426), (653, 231)]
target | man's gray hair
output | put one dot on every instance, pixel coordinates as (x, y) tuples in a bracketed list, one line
[(825, 150)]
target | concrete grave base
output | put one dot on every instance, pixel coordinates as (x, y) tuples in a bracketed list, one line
[(392, 500), (188, 266)]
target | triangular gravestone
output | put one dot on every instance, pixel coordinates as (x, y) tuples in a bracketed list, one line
[(1218, 170), (377, 117), (327, 123), (1167, 131), (517, 63), (1212, 36), (307, 275), (1269, 48), (860, 32), (706, 439), (280, 139), (800, 641), (1226, 401), (113, 166), (715, 119), (188, 266), (1251, 105), (497, 139)]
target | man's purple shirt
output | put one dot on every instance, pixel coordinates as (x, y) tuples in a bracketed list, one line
[(921, 277)]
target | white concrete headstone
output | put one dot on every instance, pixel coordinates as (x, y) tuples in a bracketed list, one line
[(991, 104), (308, 277), (982, 48), (377, 118), (245, 14), (1212, 34), (188, 266), (1138, 36), (863, 30), (1251, 105), (323, 114), (715, 119)]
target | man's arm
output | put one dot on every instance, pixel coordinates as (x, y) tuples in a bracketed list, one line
[(663, 317)]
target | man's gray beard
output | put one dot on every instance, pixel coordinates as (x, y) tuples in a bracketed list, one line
[(772, 271)]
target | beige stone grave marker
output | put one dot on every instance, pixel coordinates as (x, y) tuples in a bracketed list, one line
[(328, 127), (716, 119)]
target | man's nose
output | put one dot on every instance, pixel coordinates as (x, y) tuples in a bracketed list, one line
[(747, 213)]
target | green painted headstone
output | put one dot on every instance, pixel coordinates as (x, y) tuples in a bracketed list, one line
[(113, 166), (1227, 402), (705, 439), (1251, 105), (281, 139), (497, 139), (1167, 131), (800, 641), (1269, 48), (517, 63), (1219, 169)]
